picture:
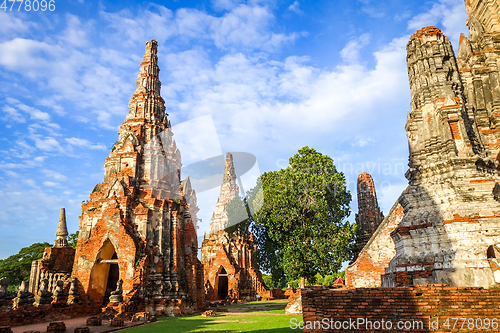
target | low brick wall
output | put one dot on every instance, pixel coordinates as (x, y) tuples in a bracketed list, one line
[(349, 310)]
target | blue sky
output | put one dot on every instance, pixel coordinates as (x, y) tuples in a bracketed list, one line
[(273, 76)]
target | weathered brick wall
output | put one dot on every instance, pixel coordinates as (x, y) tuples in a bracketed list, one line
[(423, 303), (366, 271), (58, 259)]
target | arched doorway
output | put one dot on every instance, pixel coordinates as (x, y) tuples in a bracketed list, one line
[(105, 273), (222, 284)]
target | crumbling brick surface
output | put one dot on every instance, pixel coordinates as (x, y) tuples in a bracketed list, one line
[(452, 202), (56, 327), (420, 303), (374, 258), (82, 329), (142, 218), (58, 259)]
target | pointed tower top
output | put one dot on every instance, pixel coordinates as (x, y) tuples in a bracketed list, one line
[(229, 174), (146, 102), (228, 190), (366, 185), (62, 230)]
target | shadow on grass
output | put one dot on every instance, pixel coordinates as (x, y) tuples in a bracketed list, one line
[(261, 306)]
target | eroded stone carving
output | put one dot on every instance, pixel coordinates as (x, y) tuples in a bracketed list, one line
[(44, 296), (117, 295), (24, 297)]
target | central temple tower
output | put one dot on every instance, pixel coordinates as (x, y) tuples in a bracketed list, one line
[(139, 225)]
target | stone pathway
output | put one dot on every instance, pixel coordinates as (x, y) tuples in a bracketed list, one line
[(71, 324)]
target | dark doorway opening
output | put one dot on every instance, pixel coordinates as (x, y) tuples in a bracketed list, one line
[(223, 284), (113, 277)]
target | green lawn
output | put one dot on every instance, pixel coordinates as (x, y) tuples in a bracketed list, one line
[(267, 317)]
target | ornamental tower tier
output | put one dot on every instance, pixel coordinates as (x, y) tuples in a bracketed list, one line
[(228, 190)]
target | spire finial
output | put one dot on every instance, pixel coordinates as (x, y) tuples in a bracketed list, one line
[(62, 230)]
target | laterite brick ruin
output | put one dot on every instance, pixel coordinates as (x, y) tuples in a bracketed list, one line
[(445, 226), (227, 257), (137, 246), (436, 253), (139, 225)]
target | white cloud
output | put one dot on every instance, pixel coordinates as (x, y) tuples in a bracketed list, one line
[(47, 144), (84, 143), (225, 4), (197, 139), (246, 26), (350, 53), (294, 7), (75, 33), (54, 175), (26, 55), (12, 24), (11, 173), (51, 184), (35, 114), (36, 162), (12, 114), (31, 183), (449, 15), (363, 142)]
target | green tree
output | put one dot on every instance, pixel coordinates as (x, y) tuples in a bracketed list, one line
[(17, 267), (241, 212), (73, 239), (302, 228)]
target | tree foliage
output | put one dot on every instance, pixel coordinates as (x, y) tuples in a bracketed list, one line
[(301, 228), (73, 239), (17, 267), (241, 221)]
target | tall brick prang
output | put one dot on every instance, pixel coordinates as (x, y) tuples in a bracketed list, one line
[(139, 225), (445, 226), (369, 215), (451, 223)]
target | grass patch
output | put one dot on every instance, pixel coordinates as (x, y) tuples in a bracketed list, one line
[(263, 316), (277, 307), (220, 323)]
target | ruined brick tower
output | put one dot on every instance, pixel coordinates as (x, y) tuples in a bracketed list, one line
[(57, 261), (227, 258), (450, 231), (139, 225), (369, 215)]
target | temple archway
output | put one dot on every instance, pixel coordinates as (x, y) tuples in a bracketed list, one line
[(222, 284), (105, 273)]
